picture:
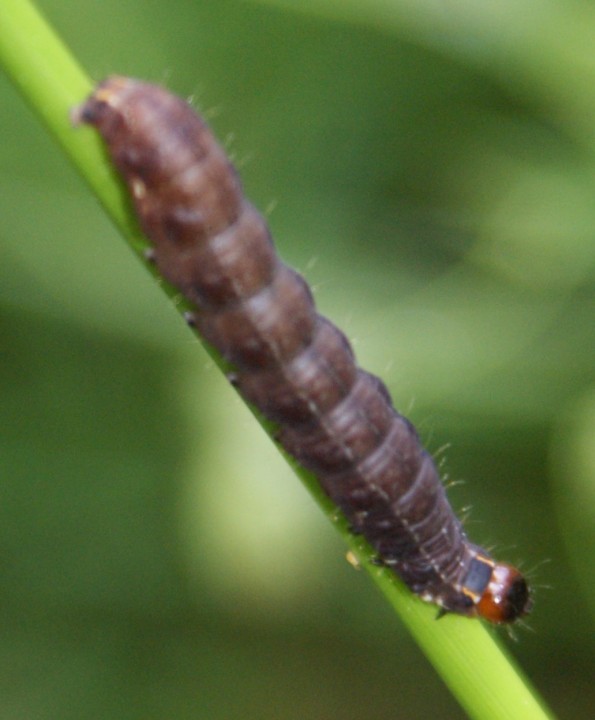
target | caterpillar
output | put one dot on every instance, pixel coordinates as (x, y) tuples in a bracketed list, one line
[(289, 361)]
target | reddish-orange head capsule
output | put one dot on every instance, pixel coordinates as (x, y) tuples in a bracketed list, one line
[(506, 597)]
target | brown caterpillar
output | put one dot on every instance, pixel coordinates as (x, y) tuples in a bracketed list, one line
[(293, 364)]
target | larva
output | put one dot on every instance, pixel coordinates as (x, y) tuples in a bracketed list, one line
[(293, 364)]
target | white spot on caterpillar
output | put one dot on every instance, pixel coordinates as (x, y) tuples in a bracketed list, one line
[(139, 189)]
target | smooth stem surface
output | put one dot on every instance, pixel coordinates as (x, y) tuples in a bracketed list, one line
[(475, 668), (52, 82)]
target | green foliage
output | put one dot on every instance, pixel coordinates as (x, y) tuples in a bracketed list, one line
[(433, 174)]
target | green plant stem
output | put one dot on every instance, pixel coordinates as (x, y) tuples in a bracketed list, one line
[(464, 653), (52, 82)]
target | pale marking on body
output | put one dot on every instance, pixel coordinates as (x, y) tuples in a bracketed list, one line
[(411, 528), (138, 187)]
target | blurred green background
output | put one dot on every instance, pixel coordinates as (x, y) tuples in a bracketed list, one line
[(433, 175)]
